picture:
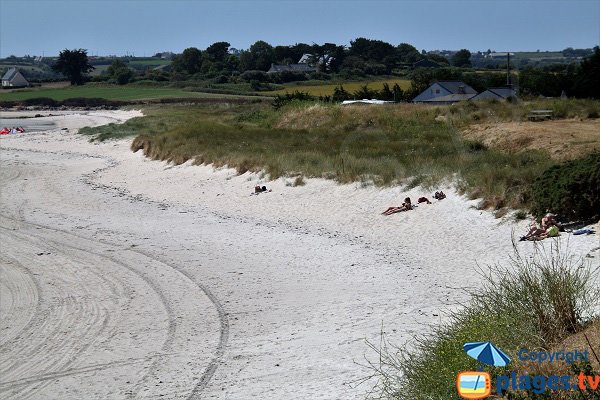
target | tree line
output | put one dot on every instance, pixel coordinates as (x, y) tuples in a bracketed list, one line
[(364, 57)]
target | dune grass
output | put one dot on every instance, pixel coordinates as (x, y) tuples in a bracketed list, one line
[(533, 303), (349, 86), (394, 144)]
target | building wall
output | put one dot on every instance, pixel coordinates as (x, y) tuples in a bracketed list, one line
[(431, 92), (17, 80)]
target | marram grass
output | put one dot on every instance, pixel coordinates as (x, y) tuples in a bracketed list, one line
[(393, 144)]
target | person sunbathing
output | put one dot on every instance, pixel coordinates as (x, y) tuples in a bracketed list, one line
[(439, 195), (548, 229), (406, 206), (548, 220), (534, 231)]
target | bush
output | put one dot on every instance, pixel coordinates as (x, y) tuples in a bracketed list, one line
[(289, 76), (571, 190), (259, 76), (319, 76), (282, 100), (535, 303)]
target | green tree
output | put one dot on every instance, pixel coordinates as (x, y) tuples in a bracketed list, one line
[(408, 53), (371, 50), (438, 58), (73, 64), (217, 52), (258, 57), (398, 93), (365, 93), (190, 61), (340, 94), (462, 58), (386, 93), (120, 72), (587, 81)]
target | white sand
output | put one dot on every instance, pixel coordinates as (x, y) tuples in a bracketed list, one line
[(123, 277)]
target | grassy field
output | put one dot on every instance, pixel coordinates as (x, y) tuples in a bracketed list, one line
[(327, 89), (109, 92), (150, 62), (393, 144)]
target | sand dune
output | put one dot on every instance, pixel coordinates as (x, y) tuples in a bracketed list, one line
[(123, 277)]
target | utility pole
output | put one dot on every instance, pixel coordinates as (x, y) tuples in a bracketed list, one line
[(508, 82)]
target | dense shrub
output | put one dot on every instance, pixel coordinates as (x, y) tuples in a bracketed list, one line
[(319, 76), (288, 76), (41, 101), (259, 76), (282, 100), (571, 190)]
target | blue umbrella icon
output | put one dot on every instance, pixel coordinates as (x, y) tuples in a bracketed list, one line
[(486, 353)]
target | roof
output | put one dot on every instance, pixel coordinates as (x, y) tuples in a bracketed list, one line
[(449, 98), (503, 92), (292, 67), (307, 59), (453, 87), (10, 74)]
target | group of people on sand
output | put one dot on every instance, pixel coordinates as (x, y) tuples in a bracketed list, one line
[(548, 228), (407, 204), (261, 189), (13, 130)]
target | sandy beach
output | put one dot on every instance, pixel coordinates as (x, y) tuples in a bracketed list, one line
[(122, 277)]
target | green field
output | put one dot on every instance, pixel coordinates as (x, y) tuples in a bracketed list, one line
[(109, 92), (150, 62), (327, 89)]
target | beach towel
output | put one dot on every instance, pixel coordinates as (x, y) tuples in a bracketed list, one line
[(584, 231)]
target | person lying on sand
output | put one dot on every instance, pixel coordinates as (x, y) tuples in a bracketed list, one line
[(548, 229), (406, 206), (439, 195), (260, 189), (548, 220)]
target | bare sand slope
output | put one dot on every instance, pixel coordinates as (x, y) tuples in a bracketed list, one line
[(563, 139), (128, 278)]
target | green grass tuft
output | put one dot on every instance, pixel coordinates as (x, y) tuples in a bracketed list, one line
[(533, 303)]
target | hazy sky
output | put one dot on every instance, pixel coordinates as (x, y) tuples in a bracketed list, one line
[(144, 27)]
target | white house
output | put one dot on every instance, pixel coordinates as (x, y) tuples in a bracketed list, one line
[(447, 92), (13, 78)]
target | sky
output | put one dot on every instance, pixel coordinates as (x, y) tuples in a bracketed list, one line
[(145, 27)]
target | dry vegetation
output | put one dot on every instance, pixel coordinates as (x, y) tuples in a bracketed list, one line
[(562, 139)]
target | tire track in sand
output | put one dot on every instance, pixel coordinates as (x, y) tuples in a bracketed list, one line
[(152, 371), (88, 179)]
